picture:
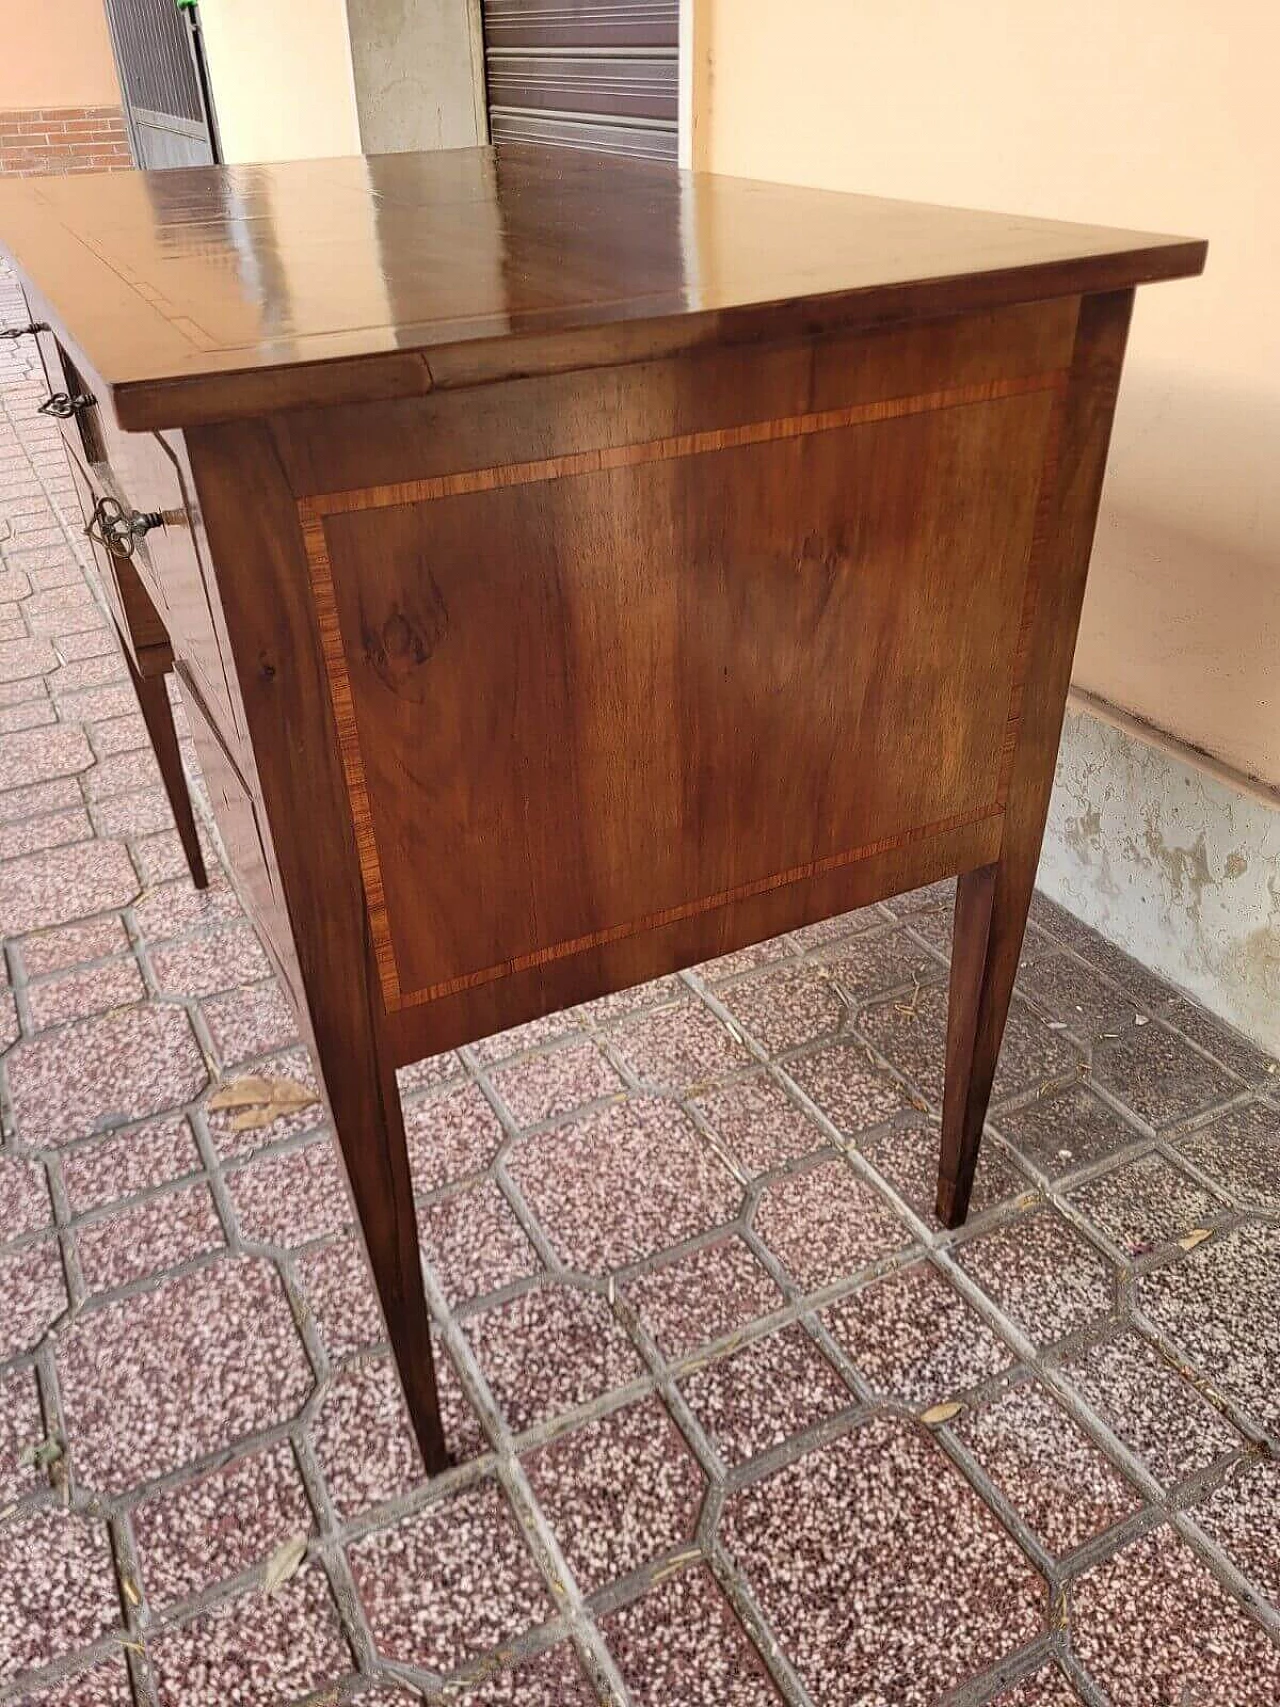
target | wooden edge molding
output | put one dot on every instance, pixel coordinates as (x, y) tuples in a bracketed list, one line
[(313, 511)]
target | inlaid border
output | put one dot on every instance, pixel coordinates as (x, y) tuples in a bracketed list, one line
[(313, 512)]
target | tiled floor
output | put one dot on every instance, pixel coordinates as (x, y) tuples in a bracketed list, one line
[(736, 1423)]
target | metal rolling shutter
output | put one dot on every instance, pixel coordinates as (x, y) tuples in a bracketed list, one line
[(595, 74)]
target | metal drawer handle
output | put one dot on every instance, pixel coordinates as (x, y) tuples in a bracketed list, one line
[(24, 331), (63, 405), (118, 529)]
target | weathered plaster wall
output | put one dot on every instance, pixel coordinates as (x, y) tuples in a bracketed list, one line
[(418, 74), (1174, 861)]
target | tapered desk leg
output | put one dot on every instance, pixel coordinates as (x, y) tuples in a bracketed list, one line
[(157, 714), (991, 918)]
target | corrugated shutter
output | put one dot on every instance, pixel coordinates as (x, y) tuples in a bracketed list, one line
[(595, 74)]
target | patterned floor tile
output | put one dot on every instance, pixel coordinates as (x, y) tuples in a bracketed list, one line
[(518, 1038), (210, 1529), (618, 1491), (1225, 1045), (847, 1087), (34, 1293), (250, 1021), (104, 1072), (57, 1588), (21, 1427), (619, 1184), (171, 909), (450, 1582), (62, 883), (60, 946), (678, 1046), (912, 1033), (825, 1224), (54, 830), (1242, 1516), (758, 1123), (474, 1242), (742, 960), (1144, 1203), (1046, 1688), (1198, 1645), (785, 1008), (548, 1350), (1072, 994), (203, 965), (156, 1380), (1069, 1129), (292, 1064), (254, 1650), (914, 1338), (119, 1164), (1044, 1274), (1046, 1467), (683, 1642), (430, 1074), (93, 990), (1160, 1416), (291, 1197), (36, 755), (338, 1288), (639, 998), (881, 960), (688, 1302), (24, 1198), (1161, 1078), (1241, 1150), (826, 931), (451, 1135), (144, 1238), (763, 1394), (103, 1685), (907, 1157), (546, 1086), (555, 1677), (883, 1574), (1221, 1305)]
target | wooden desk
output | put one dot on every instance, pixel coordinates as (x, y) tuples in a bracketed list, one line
[(578, 569)]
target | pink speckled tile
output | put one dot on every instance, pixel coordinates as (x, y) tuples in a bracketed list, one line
[(213, 1527), (1242, 1516), (609, 1010), (1046, 1688), (784, 1008), (144, 1238), (682, 1642), (503, 1044), (474, 1242), (429, 1074), (54, 830), (60, 946), (451, 1135), (21, 1426), (365, 1441), (156, 1380), (103, 1685), (1061, 987), (879, 960), (827, 931), (216, 960), (1221, 1305), (38, 755), (914, 1338), (120, 1164), (449, 1582), (750, 959), (60, 883), (24, 1198), (34, 1294), (292, 1064), (1067, 1130), (338, 1286), (122, 774), (701, 1297), (57, 1588), (544, 1086), (825, 1223), (1158, 1414), (759, 1124), (618, 1491), (27, 714), (88, 700), (1160, 1076), (1144, 1203), (906, 1155), (549, 1349), (174, 908), (1241, 1150), (882, 1572), (1046, 1466), (1152, 1625), (292, 1196), (554, 1679), (21, 659), (846, 1087), (679, 1045), (621, 1183), (117, 735), (76, 995), (57, 796), (103, 1072), (249, 1021), (9, 1026), (1043, 1274), (254, 1650), (759, 1396)]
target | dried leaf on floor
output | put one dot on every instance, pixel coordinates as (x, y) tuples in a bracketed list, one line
[(284, 1563), (261, 1101), (939, 1414), (1196, 1236)]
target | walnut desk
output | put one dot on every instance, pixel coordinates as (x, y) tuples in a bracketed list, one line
[(577, 569)]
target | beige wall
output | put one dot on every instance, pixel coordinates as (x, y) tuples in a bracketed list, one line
[(281, 77), (1154, 113), (56, 53)]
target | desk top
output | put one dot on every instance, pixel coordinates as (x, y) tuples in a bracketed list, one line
[(213, 292)]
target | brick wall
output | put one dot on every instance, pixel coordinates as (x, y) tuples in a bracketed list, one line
[(62, 139)]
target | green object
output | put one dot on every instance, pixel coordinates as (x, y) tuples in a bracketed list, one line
[(185, 5)]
